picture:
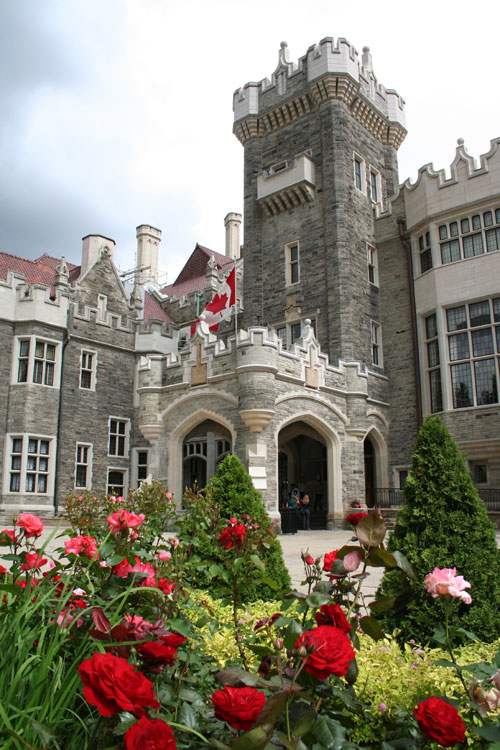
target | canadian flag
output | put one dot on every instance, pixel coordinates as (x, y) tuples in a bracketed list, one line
[(219, 308)]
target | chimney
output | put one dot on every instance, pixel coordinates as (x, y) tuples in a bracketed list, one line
[(148, 242), (92, 246), (232, 222)]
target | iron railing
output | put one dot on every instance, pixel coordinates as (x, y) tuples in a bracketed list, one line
[(390, 497)]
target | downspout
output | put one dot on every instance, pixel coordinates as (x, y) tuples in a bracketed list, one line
[(413, 314), (66, 340)]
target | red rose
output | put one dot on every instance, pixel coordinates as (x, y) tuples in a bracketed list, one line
[(333, 615), (33, 561), (150, 734), (112, 685), (240, 707), (9, 538), (439, 721), (156, 655), (123, 520), (329, 558), (232, 535), (355, 518), (32, 525), (330, 651)]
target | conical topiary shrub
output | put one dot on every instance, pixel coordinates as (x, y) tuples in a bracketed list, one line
[(444, 524), (231, 493)]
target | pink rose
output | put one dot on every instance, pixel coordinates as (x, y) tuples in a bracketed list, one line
[(352, 560), (33, 561), (32, 525), (442, 582), (164, 555), (169, 495), (123, 520)]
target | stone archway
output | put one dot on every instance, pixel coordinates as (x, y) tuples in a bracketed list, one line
[(305, 460), (202, 450)]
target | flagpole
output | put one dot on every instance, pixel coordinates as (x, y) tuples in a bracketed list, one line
[(235, 301)]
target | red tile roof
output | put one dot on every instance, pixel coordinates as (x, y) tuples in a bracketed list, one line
[(39, 271), (192, 278), (153, 310)]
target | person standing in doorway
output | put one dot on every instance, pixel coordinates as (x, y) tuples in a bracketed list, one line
[(304, 513)]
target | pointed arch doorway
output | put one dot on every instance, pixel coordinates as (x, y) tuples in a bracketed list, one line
[(202, 450), (303, 463)]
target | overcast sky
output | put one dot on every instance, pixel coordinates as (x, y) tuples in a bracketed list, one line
[(115, 113)]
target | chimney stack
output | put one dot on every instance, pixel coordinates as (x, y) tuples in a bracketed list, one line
[(92, 246), (148, 242), (232, 222)]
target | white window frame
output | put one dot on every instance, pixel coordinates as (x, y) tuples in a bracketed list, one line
[(136, 465), (24, 469), (30, 360), (288, 341), (92, 369), (376, 343), (291, 263), (372, 262), (126, 436), (87, 464), (378, 185), (125, 478), (357, 158), (396, 471), (472, 466)]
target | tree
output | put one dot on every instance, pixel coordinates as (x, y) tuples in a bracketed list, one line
[(444, 524), (229, 494)]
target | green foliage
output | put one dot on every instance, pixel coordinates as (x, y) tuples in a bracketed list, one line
[(444, 524), (231, 493)]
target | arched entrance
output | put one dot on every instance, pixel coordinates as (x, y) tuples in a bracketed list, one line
[(303, 463), (202, 449), (370, 473)]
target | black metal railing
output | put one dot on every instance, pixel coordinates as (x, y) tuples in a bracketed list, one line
[(390, 497)]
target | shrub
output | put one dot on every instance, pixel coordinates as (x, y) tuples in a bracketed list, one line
[(443, 524), (231, 493)]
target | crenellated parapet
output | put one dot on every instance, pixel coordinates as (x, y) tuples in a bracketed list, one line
[(434, 192), (21, 301), (327, 71)]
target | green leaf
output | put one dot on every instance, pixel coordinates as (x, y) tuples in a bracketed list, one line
[(380, 558), (187, 716), (258, 562), (12, 588), (255, 739), (43, 732), (305, 723), (352, 673), (183, 627), (329, 733), (323, 587), (468, 634), (261, 651), (382, 604), (291, 634), (371, 530), (490, 732), (220, 745), (126, 721), (189, 695), (316, 600), (404, 565), (115, 559), (273, 709), (237, 563), (236, 677), (269, 582), (214, 570), (370, 626)]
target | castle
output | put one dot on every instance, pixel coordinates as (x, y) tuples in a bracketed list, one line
[(362, 305)]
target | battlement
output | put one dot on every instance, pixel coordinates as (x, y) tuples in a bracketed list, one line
[(434, 192), (296, 88)]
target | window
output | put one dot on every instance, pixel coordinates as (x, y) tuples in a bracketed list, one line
[(372, 265), (292, 263), (375, 186), (376, 336), (295, 332), (425, 252), (473, 333), (88, 370), (290, 333), (83, 465), (118, 437), (281, 333), (359, 173), (141, 465), (433, 363), (36, 361), (402, 477), (479, 473), (30, 464), (471, 236), (116, 482)]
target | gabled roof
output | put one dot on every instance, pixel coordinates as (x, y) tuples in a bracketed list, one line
[(153, 309), (192, 278), (39, 271)]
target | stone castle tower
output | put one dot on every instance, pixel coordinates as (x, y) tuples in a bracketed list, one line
[(320, 140)]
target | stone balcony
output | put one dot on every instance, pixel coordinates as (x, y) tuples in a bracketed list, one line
[(286, 185)]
